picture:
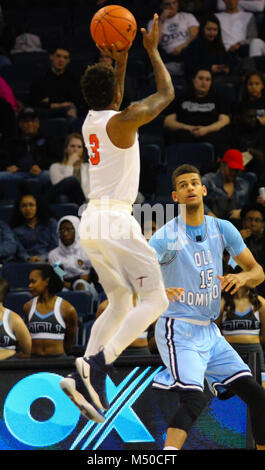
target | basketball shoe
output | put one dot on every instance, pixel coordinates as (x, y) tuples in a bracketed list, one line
[(93, 371), (73, 386)]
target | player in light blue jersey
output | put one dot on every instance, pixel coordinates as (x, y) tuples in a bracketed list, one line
[(190, 251)]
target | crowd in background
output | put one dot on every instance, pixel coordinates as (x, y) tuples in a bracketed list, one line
[(215, 53)]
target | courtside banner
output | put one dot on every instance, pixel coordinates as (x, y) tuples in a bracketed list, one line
[(36, 415)]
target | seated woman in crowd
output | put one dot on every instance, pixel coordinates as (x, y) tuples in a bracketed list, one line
[(253, 93), (15, 339), (199, 114), (207, 50), (34, 228), (70, 177), (71, 258), (51, 320), (242, 318)]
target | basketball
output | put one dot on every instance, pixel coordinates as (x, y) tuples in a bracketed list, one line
[(113, 24)]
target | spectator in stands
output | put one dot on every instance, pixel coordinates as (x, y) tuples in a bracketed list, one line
[(238, 29), (71, 258), (7, 125), (177, 30), (51, 320), (7, 40), (253, 93), (199, 114), (256, 6), (247, 135), (70, 177), (227, 191), (242, 320), (34, 228), (58, 90), (207, 50), (10, 248), (15, 340), (252, 231), (7, 93), (30, 153)]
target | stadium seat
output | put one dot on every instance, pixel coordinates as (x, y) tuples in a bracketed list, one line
[(16, 300), (57, 127), (6, 211), (152, 153), (17, 274), (198, 155), (83, 302), (60, 210), (163, 187), (85, 306)]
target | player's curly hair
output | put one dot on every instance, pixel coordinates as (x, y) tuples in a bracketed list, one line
[(98, 85), (229, 299)]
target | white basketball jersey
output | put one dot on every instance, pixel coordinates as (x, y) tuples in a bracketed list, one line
[(114, 172)]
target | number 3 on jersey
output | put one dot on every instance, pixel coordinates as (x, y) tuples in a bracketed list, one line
[(94, 148)]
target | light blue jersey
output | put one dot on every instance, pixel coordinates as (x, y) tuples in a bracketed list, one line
[(189, 342), (191, 258)]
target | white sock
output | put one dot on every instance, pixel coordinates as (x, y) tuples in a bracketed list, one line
[(170, 448)]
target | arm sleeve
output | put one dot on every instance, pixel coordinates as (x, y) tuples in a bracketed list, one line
[(233, 241)]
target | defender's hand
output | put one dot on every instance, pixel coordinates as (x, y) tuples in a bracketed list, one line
[(232, 281), (174, 293)]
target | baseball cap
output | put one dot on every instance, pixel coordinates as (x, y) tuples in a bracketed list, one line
[(27, 114), (234, 159)]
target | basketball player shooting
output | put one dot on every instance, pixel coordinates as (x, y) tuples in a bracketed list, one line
[(124, 264)]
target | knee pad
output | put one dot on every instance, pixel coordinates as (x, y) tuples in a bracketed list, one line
[(191, 404)]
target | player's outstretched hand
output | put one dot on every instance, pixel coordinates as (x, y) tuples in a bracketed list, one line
[(151, 39), (174, 293), (232, 281), (114, 53)]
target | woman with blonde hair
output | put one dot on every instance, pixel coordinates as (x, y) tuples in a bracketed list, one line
[(70, 177)]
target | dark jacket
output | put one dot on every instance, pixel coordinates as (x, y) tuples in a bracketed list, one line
[(40, 150)]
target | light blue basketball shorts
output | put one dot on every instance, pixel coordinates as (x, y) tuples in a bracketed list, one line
[(192, 353)]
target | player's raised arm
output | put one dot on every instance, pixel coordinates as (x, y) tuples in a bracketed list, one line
[(139, 113)]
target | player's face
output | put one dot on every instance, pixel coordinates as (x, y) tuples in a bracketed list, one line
[(37, 285), (255, 86), (67, 233), (189, 190), (28, 207)]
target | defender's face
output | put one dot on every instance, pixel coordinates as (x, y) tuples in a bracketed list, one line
[(189, 190)]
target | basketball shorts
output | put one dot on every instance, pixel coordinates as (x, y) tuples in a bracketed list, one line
[(192, 353), (118, 251)]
